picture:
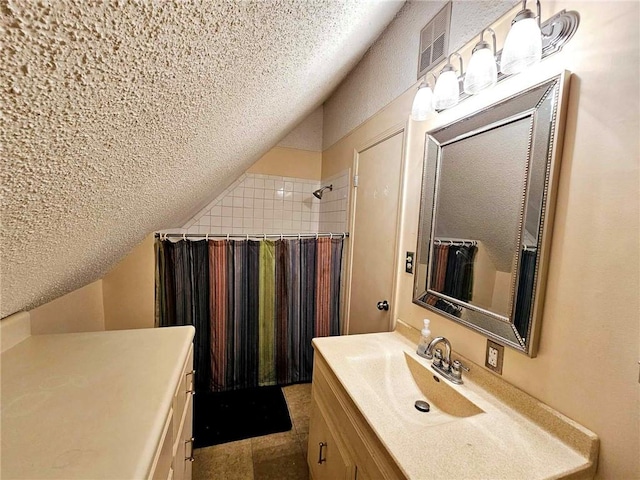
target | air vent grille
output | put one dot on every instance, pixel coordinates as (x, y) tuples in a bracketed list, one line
[(434, 40)]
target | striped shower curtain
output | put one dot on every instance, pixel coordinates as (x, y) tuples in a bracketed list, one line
[(256, 305)]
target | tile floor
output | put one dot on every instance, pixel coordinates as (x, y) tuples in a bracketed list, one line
[(279, 456)]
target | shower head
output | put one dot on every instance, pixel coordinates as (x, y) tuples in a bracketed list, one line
[(318, 193)]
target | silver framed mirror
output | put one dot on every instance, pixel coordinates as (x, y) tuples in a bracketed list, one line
[(487, 204)]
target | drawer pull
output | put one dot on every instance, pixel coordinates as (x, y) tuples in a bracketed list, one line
[(192, 391), (192, 372), (320, 459), (190, 458)]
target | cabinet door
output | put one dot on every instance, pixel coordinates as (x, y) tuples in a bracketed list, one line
[(327, 461)]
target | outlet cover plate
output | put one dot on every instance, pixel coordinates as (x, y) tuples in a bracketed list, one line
[(494, 357)]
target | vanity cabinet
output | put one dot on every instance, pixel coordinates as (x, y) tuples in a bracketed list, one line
[(350, 449), (174, 455), (99, 405)]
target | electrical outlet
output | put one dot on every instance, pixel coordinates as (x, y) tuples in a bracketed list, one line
[(494, 357)]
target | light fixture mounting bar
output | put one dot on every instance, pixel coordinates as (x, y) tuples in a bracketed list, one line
[(558, 30)]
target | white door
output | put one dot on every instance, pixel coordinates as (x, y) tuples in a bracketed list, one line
[(374, 231)]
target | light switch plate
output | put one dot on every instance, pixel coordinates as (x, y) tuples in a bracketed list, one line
[(408, 262), (494, 357)]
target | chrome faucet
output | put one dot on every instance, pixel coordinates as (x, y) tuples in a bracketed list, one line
[(442, 364)]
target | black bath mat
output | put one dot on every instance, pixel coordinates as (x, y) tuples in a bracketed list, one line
[(229, 416)]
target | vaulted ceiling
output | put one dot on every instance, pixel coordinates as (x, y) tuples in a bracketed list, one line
[(121, 118)]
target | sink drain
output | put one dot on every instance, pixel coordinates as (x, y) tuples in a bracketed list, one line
[(422, 406)]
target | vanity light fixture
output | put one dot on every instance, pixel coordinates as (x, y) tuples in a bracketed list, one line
[(523, 46), (529, 40), (482, 71), (422, 107), (446, 93)]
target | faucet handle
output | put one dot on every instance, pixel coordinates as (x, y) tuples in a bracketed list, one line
[(456, 369), (437, 357)]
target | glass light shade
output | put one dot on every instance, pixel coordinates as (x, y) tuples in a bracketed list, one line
[(422, 106), (482, 71), (522, 48), (446, 93)]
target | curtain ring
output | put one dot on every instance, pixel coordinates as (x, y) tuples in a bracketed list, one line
[(344, 235), (281, 237), (206, 237), (184, 237), (264, 236), (299, 236), (247, 237), (316, 235), (227, 237)]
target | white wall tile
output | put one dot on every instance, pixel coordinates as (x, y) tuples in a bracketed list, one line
[(256, 204)]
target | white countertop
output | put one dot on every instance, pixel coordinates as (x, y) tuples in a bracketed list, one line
[(515, 437), (88, 405)]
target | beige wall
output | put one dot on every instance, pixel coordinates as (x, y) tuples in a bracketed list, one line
[(587, 365), (289, 162), (78, 311), (129, 295)]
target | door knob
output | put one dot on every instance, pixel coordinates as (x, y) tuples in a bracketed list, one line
[(383, 305)]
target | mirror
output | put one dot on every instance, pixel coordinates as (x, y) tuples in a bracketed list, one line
[(488, 191)]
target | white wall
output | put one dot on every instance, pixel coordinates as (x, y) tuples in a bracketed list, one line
[(390, 66)]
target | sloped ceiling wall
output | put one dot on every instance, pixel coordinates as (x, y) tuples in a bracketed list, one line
[(119, 118)]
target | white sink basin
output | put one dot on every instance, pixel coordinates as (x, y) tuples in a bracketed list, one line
[(399, 380)]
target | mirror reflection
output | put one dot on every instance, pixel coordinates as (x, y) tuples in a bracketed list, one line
[(477, 212), (486, 187)]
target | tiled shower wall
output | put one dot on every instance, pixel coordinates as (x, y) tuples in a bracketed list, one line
[(335, 204), (257, 204)]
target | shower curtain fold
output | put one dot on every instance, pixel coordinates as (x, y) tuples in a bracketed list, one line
[(182, 296), (256, 305), (266, 316)]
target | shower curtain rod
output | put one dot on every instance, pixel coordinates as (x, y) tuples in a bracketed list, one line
[(250, 235), (454, 241)]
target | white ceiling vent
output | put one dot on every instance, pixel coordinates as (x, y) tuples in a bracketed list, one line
[(434, 40)]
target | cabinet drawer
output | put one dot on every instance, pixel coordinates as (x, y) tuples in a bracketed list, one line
[(183, 390), (187, 440), (184, 446)]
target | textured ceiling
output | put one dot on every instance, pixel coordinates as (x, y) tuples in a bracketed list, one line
[(120, 118)]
